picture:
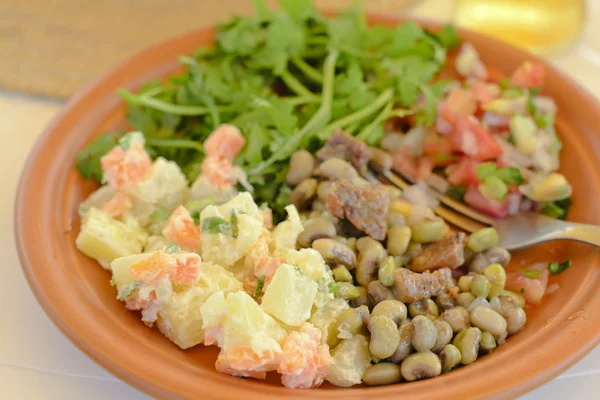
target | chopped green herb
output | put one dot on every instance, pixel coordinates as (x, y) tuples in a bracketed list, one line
[(512, 92), (172, 249), (217, 225), (260, 284), (508, 175), (333, 287), (522, 290), (544, 120), (493, 188), (127, 291), (443, 158), (196, 217), (556, 268), (504, 83), (558, 209), (531, 273), (113, 282)]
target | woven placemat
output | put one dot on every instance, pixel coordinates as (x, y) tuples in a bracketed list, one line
[(55, 47)]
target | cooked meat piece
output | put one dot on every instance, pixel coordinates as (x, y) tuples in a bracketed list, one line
[(365, 205), (448, 252), (410, 287), (341, 145)]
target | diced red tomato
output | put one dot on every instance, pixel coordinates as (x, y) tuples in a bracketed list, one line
[(528, 75), (405, 164), (425, 167), (492, 207), (494, 73), (483, 91), (532, 289), (439, 149), (464, 173), (226, 141), (471, 139)]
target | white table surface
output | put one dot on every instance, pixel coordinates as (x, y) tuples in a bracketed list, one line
[(37, 362)]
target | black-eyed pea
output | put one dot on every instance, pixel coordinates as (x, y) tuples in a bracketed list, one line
[(376, 293), (444, 302), (393, 309), (336, 168), (498, 255), (341, 274), (421, 365), (303, 194), (487, 319), (323, 190), (301, 167), (482, 240), (444, 335), (345, 290), (457, 318), (515, 319), (362, 299), (316, 228), (395, 218), (465, 299), (480, 286), (496, 274), (488, 343), (398, 238), (450, 357), (383, 373), (424, 307), (425, 333), (335, 253), (385, 337), (464, 283), (371, 256), (405, 346), (386, 272), (469, 345)]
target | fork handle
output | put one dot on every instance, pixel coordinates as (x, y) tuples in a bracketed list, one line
[(578, 232)]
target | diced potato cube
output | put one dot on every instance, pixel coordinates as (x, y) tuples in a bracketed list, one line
[(120, 269), (181, 318), (350, 360), (248, 222), (290, 295), (105, 239), (286, 233), (325, 317), (312, 264), (165, 186)]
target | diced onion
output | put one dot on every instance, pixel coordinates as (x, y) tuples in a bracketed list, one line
[(420, 194)]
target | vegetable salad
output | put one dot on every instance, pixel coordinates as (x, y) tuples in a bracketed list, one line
[(244, 216)]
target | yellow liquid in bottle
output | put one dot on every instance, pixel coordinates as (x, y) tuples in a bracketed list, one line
[(541, 26)]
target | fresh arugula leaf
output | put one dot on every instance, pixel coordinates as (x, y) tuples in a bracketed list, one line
[(447, 36), (88, 160), (300, 10)]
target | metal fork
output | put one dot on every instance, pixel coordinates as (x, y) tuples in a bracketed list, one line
[(522, 230)]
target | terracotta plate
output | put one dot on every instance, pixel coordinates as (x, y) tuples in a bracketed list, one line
[(75, 292)]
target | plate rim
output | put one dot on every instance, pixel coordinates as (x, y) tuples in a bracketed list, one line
[(507, 391)]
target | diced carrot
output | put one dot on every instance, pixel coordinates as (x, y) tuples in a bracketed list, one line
[(226, 142)]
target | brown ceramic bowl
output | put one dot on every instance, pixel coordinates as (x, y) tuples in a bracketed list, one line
[(76, 294)]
